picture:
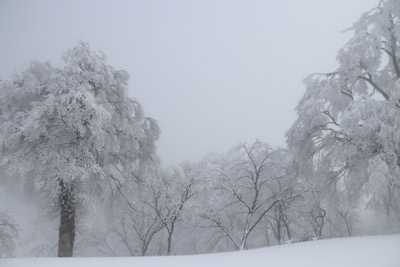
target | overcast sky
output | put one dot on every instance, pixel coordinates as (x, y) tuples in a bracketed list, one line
[(212, 72)]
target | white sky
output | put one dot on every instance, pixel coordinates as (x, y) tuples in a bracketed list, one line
[(212, 72)]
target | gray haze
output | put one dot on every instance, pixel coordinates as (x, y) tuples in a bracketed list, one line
[(213, 73)]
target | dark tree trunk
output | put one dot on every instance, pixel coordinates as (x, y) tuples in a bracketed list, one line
[(170, 233), (322, 217), (66, 236), (288, 231), (169, 244)]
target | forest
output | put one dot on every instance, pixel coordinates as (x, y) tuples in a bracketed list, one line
[(80, 152)]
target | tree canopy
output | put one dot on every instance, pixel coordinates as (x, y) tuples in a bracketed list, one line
[(73, 132), (348, 129)]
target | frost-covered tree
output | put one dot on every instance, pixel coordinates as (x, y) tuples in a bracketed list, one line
[(134, 226), (9, 232), (149, 218), (133, 230), (347, 133), (73, 132), (246, 185), (281, 217), (171, 195)]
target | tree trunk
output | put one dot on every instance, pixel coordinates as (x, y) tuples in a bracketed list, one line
[(322, 222), (169, 243), (66, 236), (288, 232)]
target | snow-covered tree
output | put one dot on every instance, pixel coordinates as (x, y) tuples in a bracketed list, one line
[(133, 230), (73, 131), (246, 185), (9, 232), (170, 197), (148, 219), (134, 224), (347, 134)]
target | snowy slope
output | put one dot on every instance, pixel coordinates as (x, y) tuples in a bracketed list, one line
[(378, 251)]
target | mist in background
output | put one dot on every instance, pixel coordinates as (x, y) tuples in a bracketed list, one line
[(213, 73)]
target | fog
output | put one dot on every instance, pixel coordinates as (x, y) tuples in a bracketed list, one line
[(212, 73)]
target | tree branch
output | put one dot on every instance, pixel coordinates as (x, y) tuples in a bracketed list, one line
[(371, 82)]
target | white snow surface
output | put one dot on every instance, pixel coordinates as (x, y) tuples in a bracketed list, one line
[(376, 251)]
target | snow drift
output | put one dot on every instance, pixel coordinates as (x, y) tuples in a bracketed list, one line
[(382, 251)]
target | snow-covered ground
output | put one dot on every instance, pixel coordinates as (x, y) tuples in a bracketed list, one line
[(377, 251)]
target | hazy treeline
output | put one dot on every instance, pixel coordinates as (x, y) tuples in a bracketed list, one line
[(81, 155)]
